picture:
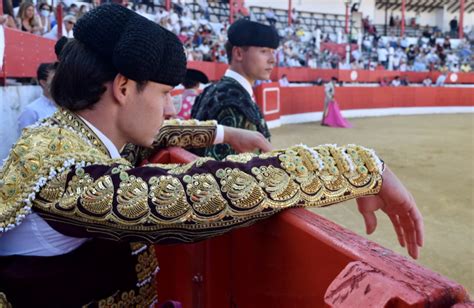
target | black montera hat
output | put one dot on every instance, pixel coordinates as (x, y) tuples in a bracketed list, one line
[(244, 32), (195, 75), (138, 48), (59, 46)]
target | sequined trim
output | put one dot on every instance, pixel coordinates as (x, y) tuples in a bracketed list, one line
[(186, 134), (4, 302)]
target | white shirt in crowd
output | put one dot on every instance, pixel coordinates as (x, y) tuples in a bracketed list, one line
[(160, 15), (427, 82), (53, 34), (441, 80), (284, 82), (396, 83), (205, 49), (382, 54)]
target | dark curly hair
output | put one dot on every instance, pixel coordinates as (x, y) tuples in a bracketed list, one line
[(80, 78)]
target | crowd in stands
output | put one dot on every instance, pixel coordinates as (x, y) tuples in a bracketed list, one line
[(300, 47)]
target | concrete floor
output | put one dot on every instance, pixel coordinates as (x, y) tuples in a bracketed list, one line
[(433, 155)]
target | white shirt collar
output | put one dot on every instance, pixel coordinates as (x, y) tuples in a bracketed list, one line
[(113, 151), (241, 80)]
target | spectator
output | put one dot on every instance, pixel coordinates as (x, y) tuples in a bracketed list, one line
[(204, 8), (284, 81), (7, 19), (427, 82), (271, 17), (441, 79), (411, 53), (319, 82), (160, 15), (391, 22), (150, 4), (447, 43), (384, 82), (45, 17), (465, 67), (294, 16), (43, 106), (312, 62), (73, 10), (453, 25), (357, 65), (27, 19), (367, 43), (222, 37), (205, 49), (404, 42), (178, 6), (419, 65), (396, 61), (382, 54), (82, 10), (68, 23), (404, 81), (142, 10), (396, 82)]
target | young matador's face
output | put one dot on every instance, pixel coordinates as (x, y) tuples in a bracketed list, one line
[(143, 112)]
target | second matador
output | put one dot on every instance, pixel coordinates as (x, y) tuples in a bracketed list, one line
[(230, 101)]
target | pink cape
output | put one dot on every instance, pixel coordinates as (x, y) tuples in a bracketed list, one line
[(334, 117)]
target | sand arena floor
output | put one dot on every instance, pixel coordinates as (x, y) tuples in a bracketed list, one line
[(434, 156)]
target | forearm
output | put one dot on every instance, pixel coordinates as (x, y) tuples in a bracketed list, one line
[(179, 133), (185, 203), (186, 134)]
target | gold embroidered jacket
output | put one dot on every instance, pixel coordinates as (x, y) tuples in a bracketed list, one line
[(63, 171)]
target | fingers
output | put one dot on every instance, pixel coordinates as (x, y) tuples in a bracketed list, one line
[(246, 141), (419, 225), (410, 234), (400, 206), (370, 222), (367, 207), (398, 229), (406, 231), (263, 144), (412, 224)]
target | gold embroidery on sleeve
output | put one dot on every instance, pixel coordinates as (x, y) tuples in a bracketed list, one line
[(98, 197), (240, 188), (204, 193), (168, 196), (132, 199)]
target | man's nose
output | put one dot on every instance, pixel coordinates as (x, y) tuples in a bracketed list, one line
[(272, 57), (170, 110)]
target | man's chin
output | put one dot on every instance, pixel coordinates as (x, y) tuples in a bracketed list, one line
[(144, 143), (265, 76)]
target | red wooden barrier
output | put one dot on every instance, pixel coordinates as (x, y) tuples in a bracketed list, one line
[(296, 259), (295, 100), (24, 52)]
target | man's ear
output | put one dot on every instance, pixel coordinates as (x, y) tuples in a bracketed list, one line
[(43, 83), (121, 88), (238, 53)]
